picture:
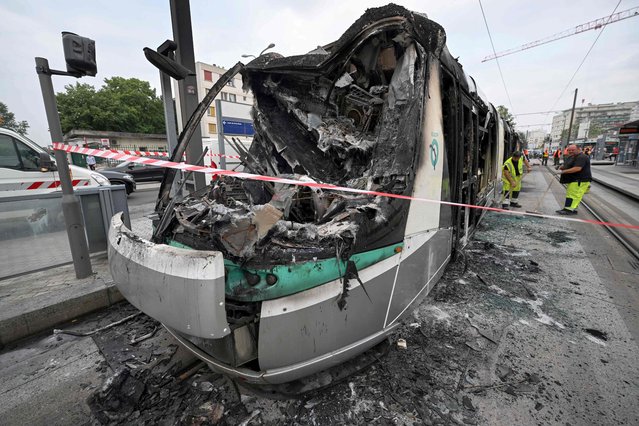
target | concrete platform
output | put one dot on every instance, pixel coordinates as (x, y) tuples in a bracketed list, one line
[(35, 302), (624, 179)]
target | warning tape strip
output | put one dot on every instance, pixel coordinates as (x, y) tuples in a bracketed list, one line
[(42, 184), (312, 184), (164, 154)]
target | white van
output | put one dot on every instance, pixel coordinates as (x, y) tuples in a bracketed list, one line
[(26, 168)]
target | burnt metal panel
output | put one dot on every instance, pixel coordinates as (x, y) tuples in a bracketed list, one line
[(419, 270), (321, 328), (183, 289)]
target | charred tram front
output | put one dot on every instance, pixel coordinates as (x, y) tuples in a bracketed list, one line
[(270, 282)]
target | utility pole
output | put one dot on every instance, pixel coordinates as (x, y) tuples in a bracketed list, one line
[(187, 88), (73, 218), (168, 49), (572, 116)]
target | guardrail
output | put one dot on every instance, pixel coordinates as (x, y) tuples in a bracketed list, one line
[(33, 234)]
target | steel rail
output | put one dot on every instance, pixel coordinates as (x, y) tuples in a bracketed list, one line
[(631, 248)]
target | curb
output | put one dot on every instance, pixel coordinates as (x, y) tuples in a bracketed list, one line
[(46, 317)]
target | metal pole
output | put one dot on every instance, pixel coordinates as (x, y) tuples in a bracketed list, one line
[(169, 111), (220, 132), (572, 116), (70, 203), (187, 88)]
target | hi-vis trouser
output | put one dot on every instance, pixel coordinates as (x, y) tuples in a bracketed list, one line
[(574, 193), (512, 192)]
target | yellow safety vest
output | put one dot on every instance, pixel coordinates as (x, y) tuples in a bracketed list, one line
[(511, 168)]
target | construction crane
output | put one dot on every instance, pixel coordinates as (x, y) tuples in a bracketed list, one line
[(592, 25)]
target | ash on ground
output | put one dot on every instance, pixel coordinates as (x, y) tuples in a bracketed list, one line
[(464, 353)]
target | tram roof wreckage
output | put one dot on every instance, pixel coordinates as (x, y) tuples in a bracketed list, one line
[(271, 283), (347, 114)]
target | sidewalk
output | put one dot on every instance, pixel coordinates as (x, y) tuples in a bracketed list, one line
[(625, 179), (37, 301)]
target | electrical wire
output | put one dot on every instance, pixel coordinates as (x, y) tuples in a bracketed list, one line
[(586, 56), (536, 113), (496, 60)]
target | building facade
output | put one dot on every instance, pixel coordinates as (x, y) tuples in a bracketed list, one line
[(123, 141), (536, 138), (592, 120), (233, 93), (236, 105)]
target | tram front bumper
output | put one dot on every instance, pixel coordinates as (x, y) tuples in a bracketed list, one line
[(183, 289)]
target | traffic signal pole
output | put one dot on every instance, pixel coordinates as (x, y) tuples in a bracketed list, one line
[(70, 203), (187, 88), (572, 116)]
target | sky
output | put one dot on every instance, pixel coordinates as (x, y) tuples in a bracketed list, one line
[(534, 80)]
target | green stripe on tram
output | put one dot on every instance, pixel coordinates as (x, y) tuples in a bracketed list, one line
[(292, 278)]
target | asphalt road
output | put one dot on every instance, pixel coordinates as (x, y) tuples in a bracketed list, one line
[(142, 201)]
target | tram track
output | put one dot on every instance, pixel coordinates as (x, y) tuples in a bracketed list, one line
[(604, 211)]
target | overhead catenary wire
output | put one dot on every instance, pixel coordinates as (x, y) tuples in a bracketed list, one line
[(585, 57), (592, 25), (496, 60), (537, 113)]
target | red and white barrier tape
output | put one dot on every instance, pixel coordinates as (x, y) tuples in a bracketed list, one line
[(164, 154), (311, 184), (42, 184)]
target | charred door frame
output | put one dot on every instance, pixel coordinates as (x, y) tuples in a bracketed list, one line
[(453, 141)]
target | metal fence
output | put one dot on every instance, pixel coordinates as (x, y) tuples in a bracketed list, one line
[(33, 233)]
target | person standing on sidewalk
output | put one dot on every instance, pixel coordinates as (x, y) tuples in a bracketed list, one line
[(91, 162), (544, 156), (575, 173), (511, 176)]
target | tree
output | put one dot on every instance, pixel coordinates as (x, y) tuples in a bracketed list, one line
[(506, 115), (121, 105), (573, 135), (595, 130), (8, 121)]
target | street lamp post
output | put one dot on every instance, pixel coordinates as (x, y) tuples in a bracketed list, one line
[(270, 46)]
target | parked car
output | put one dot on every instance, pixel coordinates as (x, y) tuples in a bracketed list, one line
[(26, 168), (119, 178), (140, 172)]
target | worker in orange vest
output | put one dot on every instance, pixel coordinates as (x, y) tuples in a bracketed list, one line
[(555, 156)]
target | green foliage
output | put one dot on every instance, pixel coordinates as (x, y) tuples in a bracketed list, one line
[(506, 115), (595, 130), (8, 120), (573, 136), (121, 105)]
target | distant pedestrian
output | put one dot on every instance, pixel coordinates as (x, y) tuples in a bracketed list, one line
[(575, 173), (91, 162), (556, 156), (544, 158), (512, 174), (615, 153)]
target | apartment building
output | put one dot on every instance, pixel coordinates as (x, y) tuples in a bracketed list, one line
[(600, 116), (536, 138), (233, 93)]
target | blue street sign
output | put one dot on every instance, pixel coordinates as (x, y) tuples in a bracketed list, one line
[(237, 127)]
